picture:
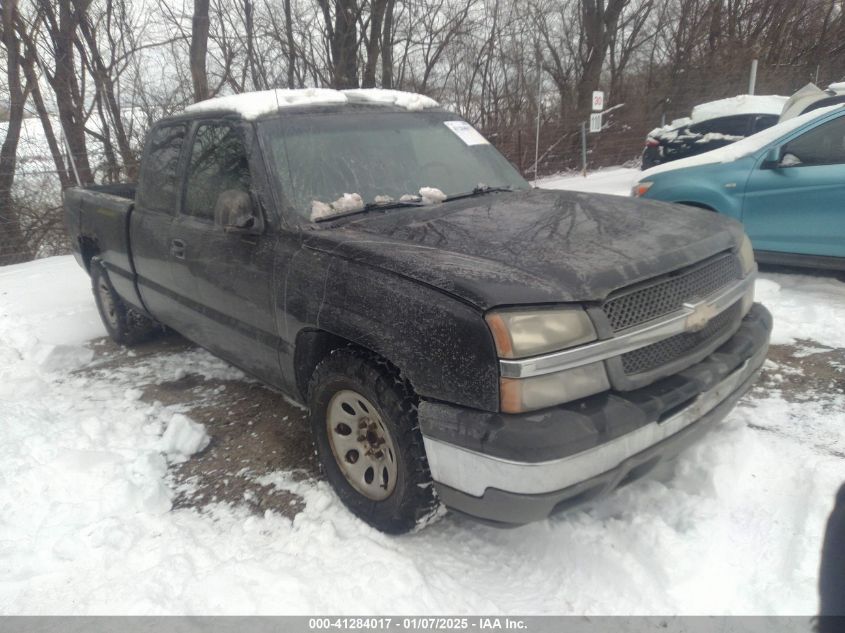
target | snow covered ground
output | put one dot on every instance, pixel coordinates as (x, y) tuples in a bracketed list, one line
[(88, 522)]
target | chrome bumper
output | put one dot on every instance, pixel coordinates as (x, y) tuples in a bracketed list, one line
[(473, 473)]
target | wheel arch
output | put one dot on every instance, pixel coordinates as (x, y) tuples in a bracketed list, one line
[(313, 345), (698, 205)]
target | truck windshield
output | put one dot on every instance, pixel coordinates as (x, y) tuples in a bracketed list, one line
[(362, 158)]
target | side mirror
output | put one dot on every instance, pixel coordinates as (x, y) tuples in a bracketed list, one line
[(236, 213), (772, 158)]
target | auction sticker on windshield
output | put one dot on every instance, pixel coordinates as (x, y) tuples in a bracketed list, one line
[(466, 132)]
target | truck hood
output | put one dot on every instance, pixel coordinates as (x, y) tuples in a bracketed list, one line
[(530, 247)]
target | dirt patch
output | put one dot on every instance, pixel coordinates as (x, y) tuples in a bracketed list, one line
[(254, 430), (803, 371)]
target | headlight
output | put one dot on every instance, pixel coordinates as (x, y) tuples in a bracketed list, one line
[(518, 395), (641, 188), (746, 255), (520, 333)]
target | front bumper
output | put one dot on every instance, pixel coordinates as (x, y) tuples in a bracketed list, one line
[(514, 469)]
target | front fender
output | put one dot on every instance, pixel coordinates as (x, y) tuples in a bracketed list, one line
[(720, 199), (441, 344)]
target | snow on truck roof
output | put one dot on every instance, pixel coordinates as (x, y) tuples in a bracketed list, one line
[(743, 148), (251, 105)]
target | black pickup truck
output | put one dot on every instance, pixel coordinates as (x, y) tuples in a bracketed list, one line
[(461, 339)]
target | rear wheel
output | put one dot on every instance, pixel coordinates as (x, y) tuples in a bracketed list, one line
[(124, 325), (364, 421)]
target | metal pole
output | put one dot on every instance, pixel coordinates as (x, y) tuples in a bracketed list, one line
[(537, 133), (752, 80), (584, 148)]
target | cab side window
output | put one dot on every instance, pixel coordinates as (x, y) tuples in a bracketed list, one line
[(158, 184), (218, 164), (823, 145)]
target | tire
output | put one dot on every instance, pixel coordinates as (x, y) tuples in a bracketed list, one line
[(124, 325), (361, 407)]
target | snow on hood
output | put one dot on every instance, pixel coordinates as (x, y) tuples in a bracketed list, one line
[(837, 87), (251, 105), (740, 149)]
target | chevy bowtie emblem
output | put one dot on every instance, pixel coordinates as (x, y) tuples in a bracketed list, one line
[(701, 315)]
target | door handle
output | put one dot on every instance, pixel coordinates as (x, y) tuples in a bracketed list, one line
[(177, 248)]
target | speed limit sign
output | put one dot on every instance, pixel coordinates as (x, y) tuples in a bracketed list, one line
[(598, 100)]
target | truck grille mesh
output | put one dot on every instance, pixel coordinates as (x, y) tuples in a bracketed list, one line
[(675, 347), (670, 293)]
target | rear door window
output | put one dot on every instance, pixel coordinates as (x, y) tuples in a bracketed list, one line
[(218, 163), (158, 187)]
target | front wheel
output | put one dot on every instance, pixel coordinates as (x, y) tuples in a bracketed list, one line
[(124, 325), (364, 421)]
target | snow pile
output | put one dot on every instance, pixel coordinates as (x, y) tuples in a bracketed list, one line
[(807, 308), (616, 181), (717, 136), (182, 438), (350, 202), (251, 105), (431, 195), (347, 203), (741, 104), (743, 148)]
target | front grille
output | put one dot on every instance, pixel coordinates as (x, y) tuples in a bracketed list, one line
[(668, 350), (668, 294)]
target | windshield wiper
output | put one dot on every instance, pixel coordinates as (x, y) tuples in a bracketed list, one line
[(371, 206), (480, 190)]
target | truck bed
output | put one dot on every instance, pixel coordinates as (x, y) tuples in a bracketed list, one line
[(97, 218)]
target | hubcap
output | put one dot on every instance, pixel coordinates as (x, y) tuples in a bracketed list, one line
[(107, 304), (361, 445)]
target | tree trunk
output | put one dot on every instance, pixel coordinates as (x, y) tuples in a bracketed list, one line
[(387, 46), (377, 10), (342, 35), (28, 66), (199, 49), (13, 246), (600, 22)]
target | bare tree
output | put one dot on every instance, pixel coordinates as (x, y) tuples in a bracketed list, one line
[(13, 246)]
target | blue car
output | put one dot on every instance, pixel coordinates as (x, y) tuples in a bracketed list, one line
[(786, 184)]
